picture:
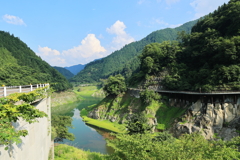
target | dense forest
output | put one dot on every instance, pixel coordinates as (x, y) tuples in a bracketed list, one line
[(207, 59), (125, 60), (21, 66), (66, 73)]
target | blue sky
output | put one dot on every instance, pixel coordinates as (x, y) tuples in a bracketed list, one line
[(70, 32)]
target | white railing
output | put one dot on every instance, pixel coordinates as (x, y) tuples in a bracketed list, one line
[(7, 90)]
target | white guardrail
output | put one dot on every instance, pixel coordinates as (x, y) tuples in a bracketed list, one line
[(7, 90)]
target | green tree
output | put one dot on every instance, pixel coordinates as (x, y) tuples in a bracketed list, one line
[(60, 130), (115, 85), (189, 146), (138, 124), (147, 96)]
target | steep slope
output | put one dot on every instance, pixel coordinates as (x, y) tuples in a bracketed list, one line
[(124, 60), (66, 73), (21, 66), (76, 68)]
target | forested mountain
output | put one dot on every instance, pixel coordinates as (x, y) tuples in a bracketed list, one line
[(207, 59), (21, 66), (66, 73), (76, 68), (125, 60)]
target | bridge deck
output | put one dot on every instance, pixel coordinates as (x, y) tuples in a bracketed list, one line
[(194, 93)]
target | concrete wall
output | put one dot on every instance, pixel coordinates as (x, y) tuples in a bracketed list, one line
[(36, 145)]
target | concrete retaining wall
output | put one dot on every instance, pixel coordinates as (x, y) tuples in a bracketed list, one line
[(37, 144)]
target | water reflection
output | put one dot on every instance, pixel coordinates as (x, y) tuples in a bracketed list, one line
[(86, 137)]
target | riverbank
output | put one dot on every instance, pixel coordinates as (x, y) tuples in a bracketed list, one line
[(61, 98), (102, 124)]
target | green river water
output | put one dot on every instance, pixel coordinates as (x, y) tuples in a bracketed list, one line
[(86, 137)]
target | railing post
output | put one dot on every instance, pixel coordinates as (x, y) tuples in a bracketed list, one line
[(37, 85), (20, 89), (31, 88), (5, 91)]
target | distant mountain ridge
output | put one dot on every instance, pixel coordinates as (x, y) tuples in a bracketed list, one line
[(125, 60), (66, 73), (76, 68)]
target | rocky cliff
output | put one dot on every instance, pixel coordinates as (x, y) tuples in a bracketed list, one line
[(119, 109), (212, 120), (218, 119)]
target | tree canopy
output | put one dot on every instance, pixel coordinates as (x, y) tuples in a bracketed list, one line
[(115, 85), (208, 58)]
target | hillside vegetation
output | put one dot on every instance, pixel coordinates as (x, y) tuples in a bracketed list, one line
[(125, 60), (75, 69), (66, 73), (21, 66)]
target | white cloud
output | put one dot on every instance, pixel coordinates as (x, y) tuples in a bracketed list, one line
[(48, 51), (89, 50), (204, 7), (159, 21), (169, 2), (90, 46), (52, 56), (13, 20), (175, 25), (163, 24), (122, 38), (141, 1)]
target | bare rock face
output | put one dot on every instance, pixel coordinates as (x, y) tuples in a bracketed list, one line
[(211, 120), (94, 114), (219, 116), (228, 133), (229, 112)]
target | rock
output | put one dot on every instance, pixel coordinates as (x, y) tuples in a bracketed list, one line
[(196, 107), (238, 110), (94, 114), (228, 133), (229, 112), (219, 116), (113, 119), (209, 111)]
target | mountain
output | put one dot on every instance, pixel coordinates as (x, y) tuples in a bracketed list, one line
[(75, 69), (21, 66), (66, 73), (125, 60)]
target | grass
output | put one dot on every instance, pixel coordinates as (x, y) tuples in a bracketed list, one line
[(86, 91), (65, 152), (166, 114), (104, 124)]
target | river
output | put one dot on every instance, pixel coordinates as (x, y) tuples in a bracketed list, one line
[(86, 137)]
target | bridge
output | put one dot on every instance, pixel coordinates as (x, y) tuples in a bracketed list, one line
[(193, 96), (7, 90)]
